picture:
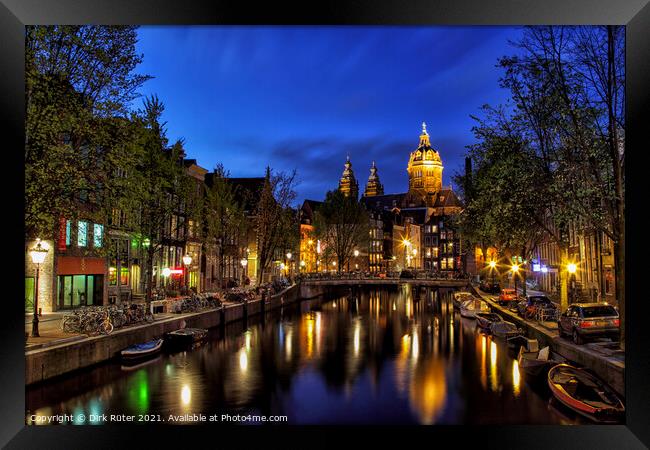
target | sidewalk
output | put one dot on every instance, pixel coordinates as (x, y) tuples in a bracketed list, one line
[(50, 333)]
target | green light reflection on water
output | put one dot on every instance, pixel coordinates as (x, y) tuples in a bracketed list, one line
[(138, 392)]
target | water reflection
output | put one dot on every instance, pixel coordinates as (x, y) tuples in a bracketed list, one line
[(368, 356)]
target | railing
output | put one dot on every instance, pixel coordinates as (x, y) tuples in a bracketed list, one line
[(410, 275)]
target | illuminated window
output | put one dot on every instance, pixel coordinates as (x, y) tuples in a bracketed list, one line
[(68, 232), (82, 233), (98, 235)]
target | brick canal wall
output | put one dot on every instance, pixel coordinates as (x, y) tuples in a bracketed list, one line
[(609, 369), (43, 364)]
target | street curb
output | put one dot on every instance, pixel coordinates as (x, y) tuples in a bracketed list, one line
[(54, 342)]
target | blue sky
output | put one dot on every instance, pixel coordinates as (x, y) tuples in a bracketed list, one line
[(305, 97)]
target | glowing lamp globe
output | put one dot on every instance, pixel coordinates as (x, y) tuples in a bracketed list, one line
[(38, 253)]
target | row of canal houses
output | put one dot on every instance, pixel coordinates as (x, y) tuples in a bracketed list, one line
[(76, 271)]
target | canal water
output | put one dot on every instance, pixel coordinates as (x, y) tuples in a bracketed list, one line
[(394, 356)]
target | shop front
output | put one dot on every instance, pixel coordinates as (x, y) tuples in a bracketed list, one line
[(80, 281)]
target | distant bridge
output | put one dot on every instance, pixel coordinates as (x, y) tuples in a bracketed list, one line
[(429, 282)]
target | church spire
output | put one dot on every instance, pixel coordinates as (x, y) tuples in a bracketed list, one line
[(373, 186), (348, 183), (424, 137)]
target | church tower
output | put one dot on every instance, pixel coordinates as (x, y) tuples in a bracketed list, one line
[(348, 183), (373, 186), (424, 169)]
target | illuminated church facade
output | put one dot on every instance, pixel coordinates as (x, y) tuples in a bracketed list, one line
[(411, 229)]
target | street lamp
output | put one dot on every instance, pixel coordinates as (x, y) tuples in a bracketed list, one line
[(415, 261), (244, 263), (356, 255), (572, 268), (515, 271), (493, 265), (187, 260), (38, 255), (289, 263)]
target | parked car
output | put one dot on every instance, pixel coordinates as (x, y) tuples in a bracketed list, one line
[(506, 296), (407, 274), (589, 320), (491, 287), (528, 308)]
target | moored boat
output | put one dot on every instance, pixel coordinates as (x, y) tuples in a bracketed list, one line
[(485, 319), (585, 394), (505, 330), (536, 363), (142, 350), (469, 308), (186, 336), (461, 296)]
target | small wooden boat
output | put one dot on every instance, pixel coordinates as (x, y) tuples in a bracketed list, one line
[(585, 393), (186, 336), (505, 330), (469, 308), (142, 350), (536, 363), (485, 319), (459, 297)]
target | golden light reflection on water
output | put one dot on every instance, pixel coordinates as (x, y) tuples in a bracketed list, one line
[(357, 337), (288, 345), (401, 364), (415, 347), (493, 366), (186, 395), (309, 329), (483, 375), (516, 379), (243, 360), (428, 391)]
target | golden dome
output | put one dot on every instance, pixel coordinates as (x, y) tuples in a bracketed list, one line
[(424, 167)]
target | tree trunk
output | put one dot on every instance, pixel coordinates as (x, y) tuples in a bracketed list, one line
[(149, 277)]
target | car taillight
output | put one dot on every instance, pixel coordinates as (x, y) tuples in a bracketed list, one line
[(587, 323), (616, 322)]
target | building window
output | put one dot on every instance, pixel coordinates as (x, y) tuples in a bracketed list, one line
[(82, 233), (68, 232), (98, 235)]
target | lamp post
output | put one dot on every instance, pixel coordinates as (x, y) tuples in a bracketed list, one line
[(406, 244), (572, 268), (38, 255), (244, 263), (415, 261), (515, 271), (289, 263), (356, 255), (187, 260)]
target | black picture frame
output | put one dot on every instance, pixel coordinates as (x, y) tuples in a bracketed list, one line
[(635, 14)]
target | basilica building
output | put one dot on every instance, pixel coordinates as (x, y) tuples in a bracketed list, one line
[(413, 229)]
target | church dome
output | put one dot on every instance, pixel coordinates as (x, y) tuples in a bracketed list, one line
[(424, 168)]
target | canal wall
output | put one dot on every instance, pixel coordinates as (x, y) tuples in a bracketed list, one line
[(609, 369), (45, 363)]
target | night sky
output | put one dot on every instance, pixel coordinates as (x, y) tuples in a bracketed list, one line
[(305, 97)]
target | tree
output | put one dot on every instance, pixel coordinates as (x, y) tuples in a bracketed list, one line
[(584, 70), (79, 82), (224, 217), (161, 187), (342, 224), (273, 219)]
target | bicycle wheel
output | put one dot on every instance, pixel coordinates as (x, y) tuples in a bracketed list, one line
[(107, 327)]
